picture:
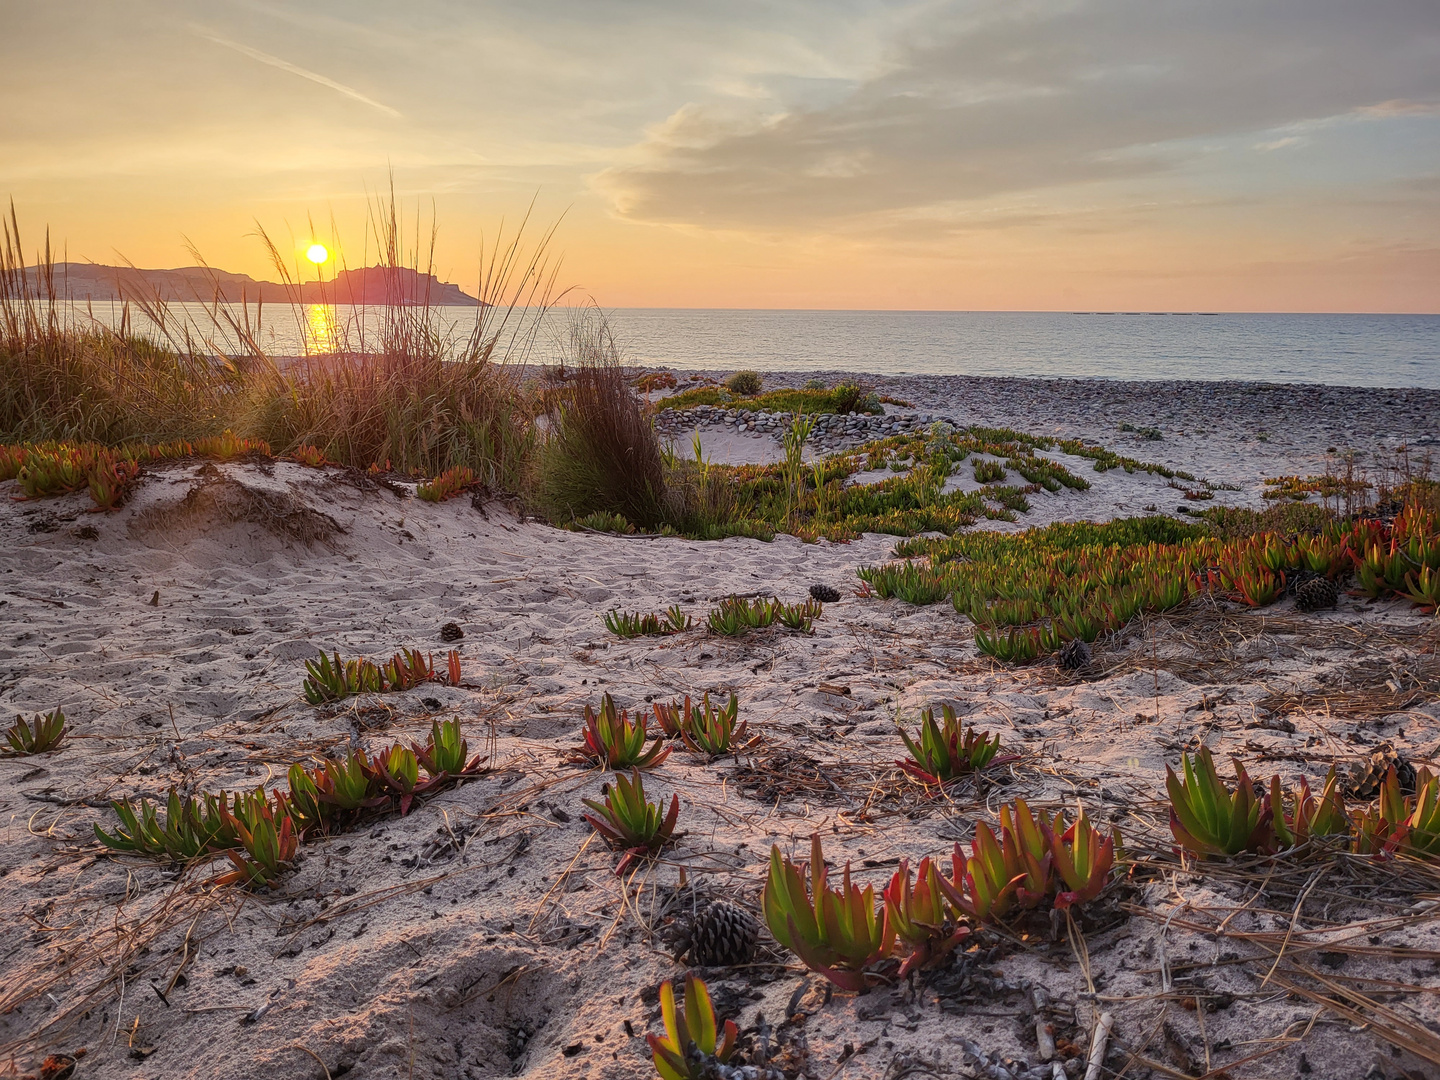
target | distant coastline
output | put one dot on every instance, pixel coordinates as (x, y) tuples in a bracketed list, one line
[(370, 285)]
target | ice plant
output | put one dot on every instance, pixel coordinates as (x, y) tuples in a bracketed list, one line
[(192, 828), (629, 624), (1208, 819), (691, 1045), (1025, 849), (449, 484), (36, 737), (407, 669), (943, 752), (836, 932), (309, 455), (1407, 824), (327, 681), (630, 824), (396, 771), (616, 742), (1309, 816), (347, 785), (714, 731), (1082, 859), (799, 616), (446, 752), (922, 917), (268, 847), (110, 479)]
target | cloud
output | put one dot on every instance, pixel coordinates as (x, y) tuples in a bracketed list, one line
[(986, 101), (293, 69)]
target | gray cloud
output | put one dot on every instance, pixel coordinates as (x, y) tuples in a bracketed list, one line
[(1007, 98)]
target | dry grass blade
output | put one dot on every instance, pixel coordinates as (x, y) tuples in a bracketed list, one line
[(95, 960), (1360, 1008)]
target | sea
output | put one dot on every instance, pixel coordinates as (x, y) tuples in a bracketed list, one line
[(1336, 349)]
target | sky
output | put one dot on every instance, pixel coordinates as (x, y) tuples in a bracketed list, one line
[(1241, 155)]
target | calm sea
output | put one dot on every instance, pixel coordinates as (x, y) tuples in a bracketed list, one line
[(1348, 350)]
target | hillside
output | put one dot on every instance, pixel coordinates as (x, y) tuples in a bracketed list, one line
[(369, 285)]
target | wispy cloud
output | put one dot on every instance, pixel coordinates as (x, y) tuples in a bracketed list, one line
[(996, 98), (293, 69)]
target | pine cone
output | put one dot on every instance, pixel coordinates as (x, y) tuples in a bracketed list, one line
[(1316, 593), (723, 934), (1367, 777), (451, 632), (1075, 656), (825, 594)]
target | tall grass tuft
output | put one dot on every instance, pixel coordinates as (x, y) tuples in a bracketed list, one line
[(63, 378), (600, 452), (391, 387)]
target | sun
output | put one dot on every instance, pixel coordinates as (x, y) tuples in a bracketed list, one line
[(316, 253)]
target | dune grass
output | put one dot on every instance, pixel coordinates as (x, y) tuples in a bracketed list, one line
[(601, 453), (406, 398)]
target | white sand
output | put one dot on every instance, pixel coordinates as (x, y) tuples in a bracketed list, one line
[(485, 934)]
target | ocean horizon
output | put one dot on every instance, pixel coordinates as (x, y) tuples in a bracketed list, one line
[(1367, 350)]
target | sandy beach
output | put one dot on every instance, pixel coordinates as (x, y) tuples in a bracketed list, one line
[(486, 934)]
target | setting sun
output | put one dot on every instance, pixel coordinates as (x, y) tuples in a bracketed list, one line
[(316, 253)]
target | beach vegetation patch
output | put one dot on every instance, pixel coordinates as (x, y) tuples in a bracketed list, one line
[(945, 751), (330, 679), (260, 832), (713, 730), (628, 823), (736, 616), (37, 736), (630, 624), (612, 740), (1030, 593), (745, 383)]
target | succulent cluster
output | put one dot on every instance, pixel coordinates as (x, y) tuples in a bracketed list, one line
[(630, 624), (1208, 819), (629, 823), (843, 935), (260, 832), (312, 456), (692, 1044), (1401, 558), (330, 679), (737, 616), (1030, 594), (704, 728), (36, 736), (989, 472), (450, 483), (948, 750), (108, 473), (613, 741)]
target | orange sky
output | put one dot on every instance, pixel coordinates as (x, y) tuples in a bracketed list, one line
[(1096, 155)]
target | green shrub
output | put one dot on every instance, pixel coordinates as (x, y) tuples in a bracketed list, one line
[(744, 383)]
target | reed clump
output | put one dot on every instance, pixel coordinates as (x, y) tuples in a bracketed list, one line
[(392, 390)]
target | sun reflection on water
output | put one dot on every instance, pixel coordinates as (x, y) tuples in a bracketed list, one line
[(322, 330)]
